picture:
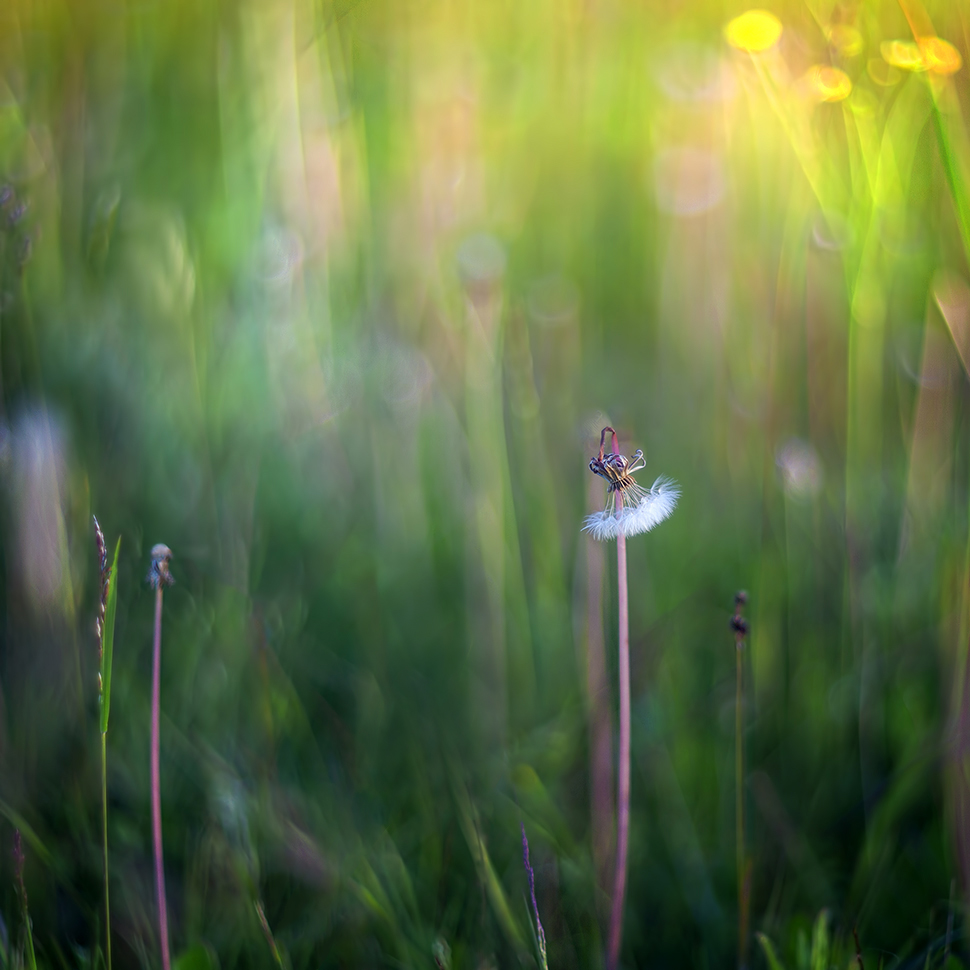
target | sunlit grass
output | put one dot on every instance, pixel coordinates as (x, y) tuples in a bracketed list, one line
[(329, 295)]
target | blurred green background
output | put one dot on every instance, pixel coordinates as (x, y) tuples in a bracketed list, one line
[(333, 298)]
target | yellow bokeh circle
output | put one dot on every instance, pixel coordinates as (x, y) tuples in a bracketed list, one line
[(828, 83), (940, 56), (754, 31), (903, 54)]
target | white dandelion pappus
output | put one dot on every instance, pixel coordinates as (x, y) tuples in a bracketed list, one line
[(654, 506), (630, 509)]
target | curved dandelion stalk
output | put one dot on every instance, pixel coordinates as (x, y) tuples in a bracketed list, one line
[(630, 510), (158, 578)]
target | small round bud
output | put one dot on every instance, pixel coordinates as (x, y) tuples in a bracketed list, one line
[(740, 625), (158, 572), (740, 598)]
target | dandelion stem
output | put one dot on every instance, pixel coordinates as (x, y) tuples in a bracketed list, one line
[(600, 715), (623, 766), (156, 780)]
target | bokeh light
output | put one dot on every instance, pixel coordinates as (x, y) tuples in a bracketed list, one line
[(904, 54), (827, 83), (940, 56), (754, 31)]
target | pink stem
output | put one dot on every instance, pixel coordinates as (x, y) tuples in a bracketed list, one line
[(156, 780), (623, 767), (600, 716)]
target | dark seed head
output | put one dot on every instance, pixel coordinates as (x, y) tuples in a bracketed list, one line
[(740, 625), (740, 598)]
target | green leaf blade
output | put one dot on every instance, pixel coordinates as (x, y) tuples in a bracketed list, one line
[(107, 641)]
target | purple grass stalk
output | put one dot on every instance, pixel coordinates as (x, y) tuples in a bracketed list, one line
[(104, 580), (623, 765), (540, 933), (18, 864), (158, 578)]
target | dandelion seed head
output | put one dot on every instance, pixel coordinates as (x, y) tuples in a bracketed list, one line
[(601, 525), (652, 508), (630, 509)]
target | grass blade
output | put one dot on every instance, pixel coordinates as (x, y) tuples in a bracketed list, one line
[(108, 641), (769, 950)]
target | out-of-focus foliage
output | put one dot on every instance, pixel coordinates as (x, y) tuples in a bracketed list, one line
[(334, 298)]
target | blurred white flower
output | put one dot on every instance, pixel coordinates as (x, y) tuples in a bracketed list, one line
[(800, 467), (630, 509), (39, 472)]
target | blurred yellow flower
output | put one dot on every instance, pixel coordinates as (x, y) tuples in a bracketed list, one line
[(940, 56), (930, 54), (828, 83), (846, 40), (754, 31), (904, 54)]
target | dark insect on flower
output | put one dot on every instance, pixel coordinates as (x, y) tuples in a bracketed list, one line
[(158, 573), (630, 509)]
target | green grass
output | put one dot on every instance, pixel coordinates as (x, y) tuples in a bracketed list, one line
[(331, 297)]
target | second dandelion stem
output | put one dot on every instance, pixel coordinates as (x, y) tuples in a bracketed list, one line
[(623, 766), (158, 578)]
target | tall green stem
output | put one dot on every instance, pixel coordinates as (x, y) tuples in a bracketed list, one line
[(104, 839)]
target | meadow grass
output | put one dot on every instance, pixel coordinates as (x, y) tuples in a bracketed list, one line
[(332, 295)]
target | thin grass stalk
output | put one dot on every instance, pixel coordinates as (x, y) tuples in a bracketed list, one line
[(268, 933), (740, 627), (158, 578), (19, 859), (623, 766), (104, 843), (104, 628), (540, 933)]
